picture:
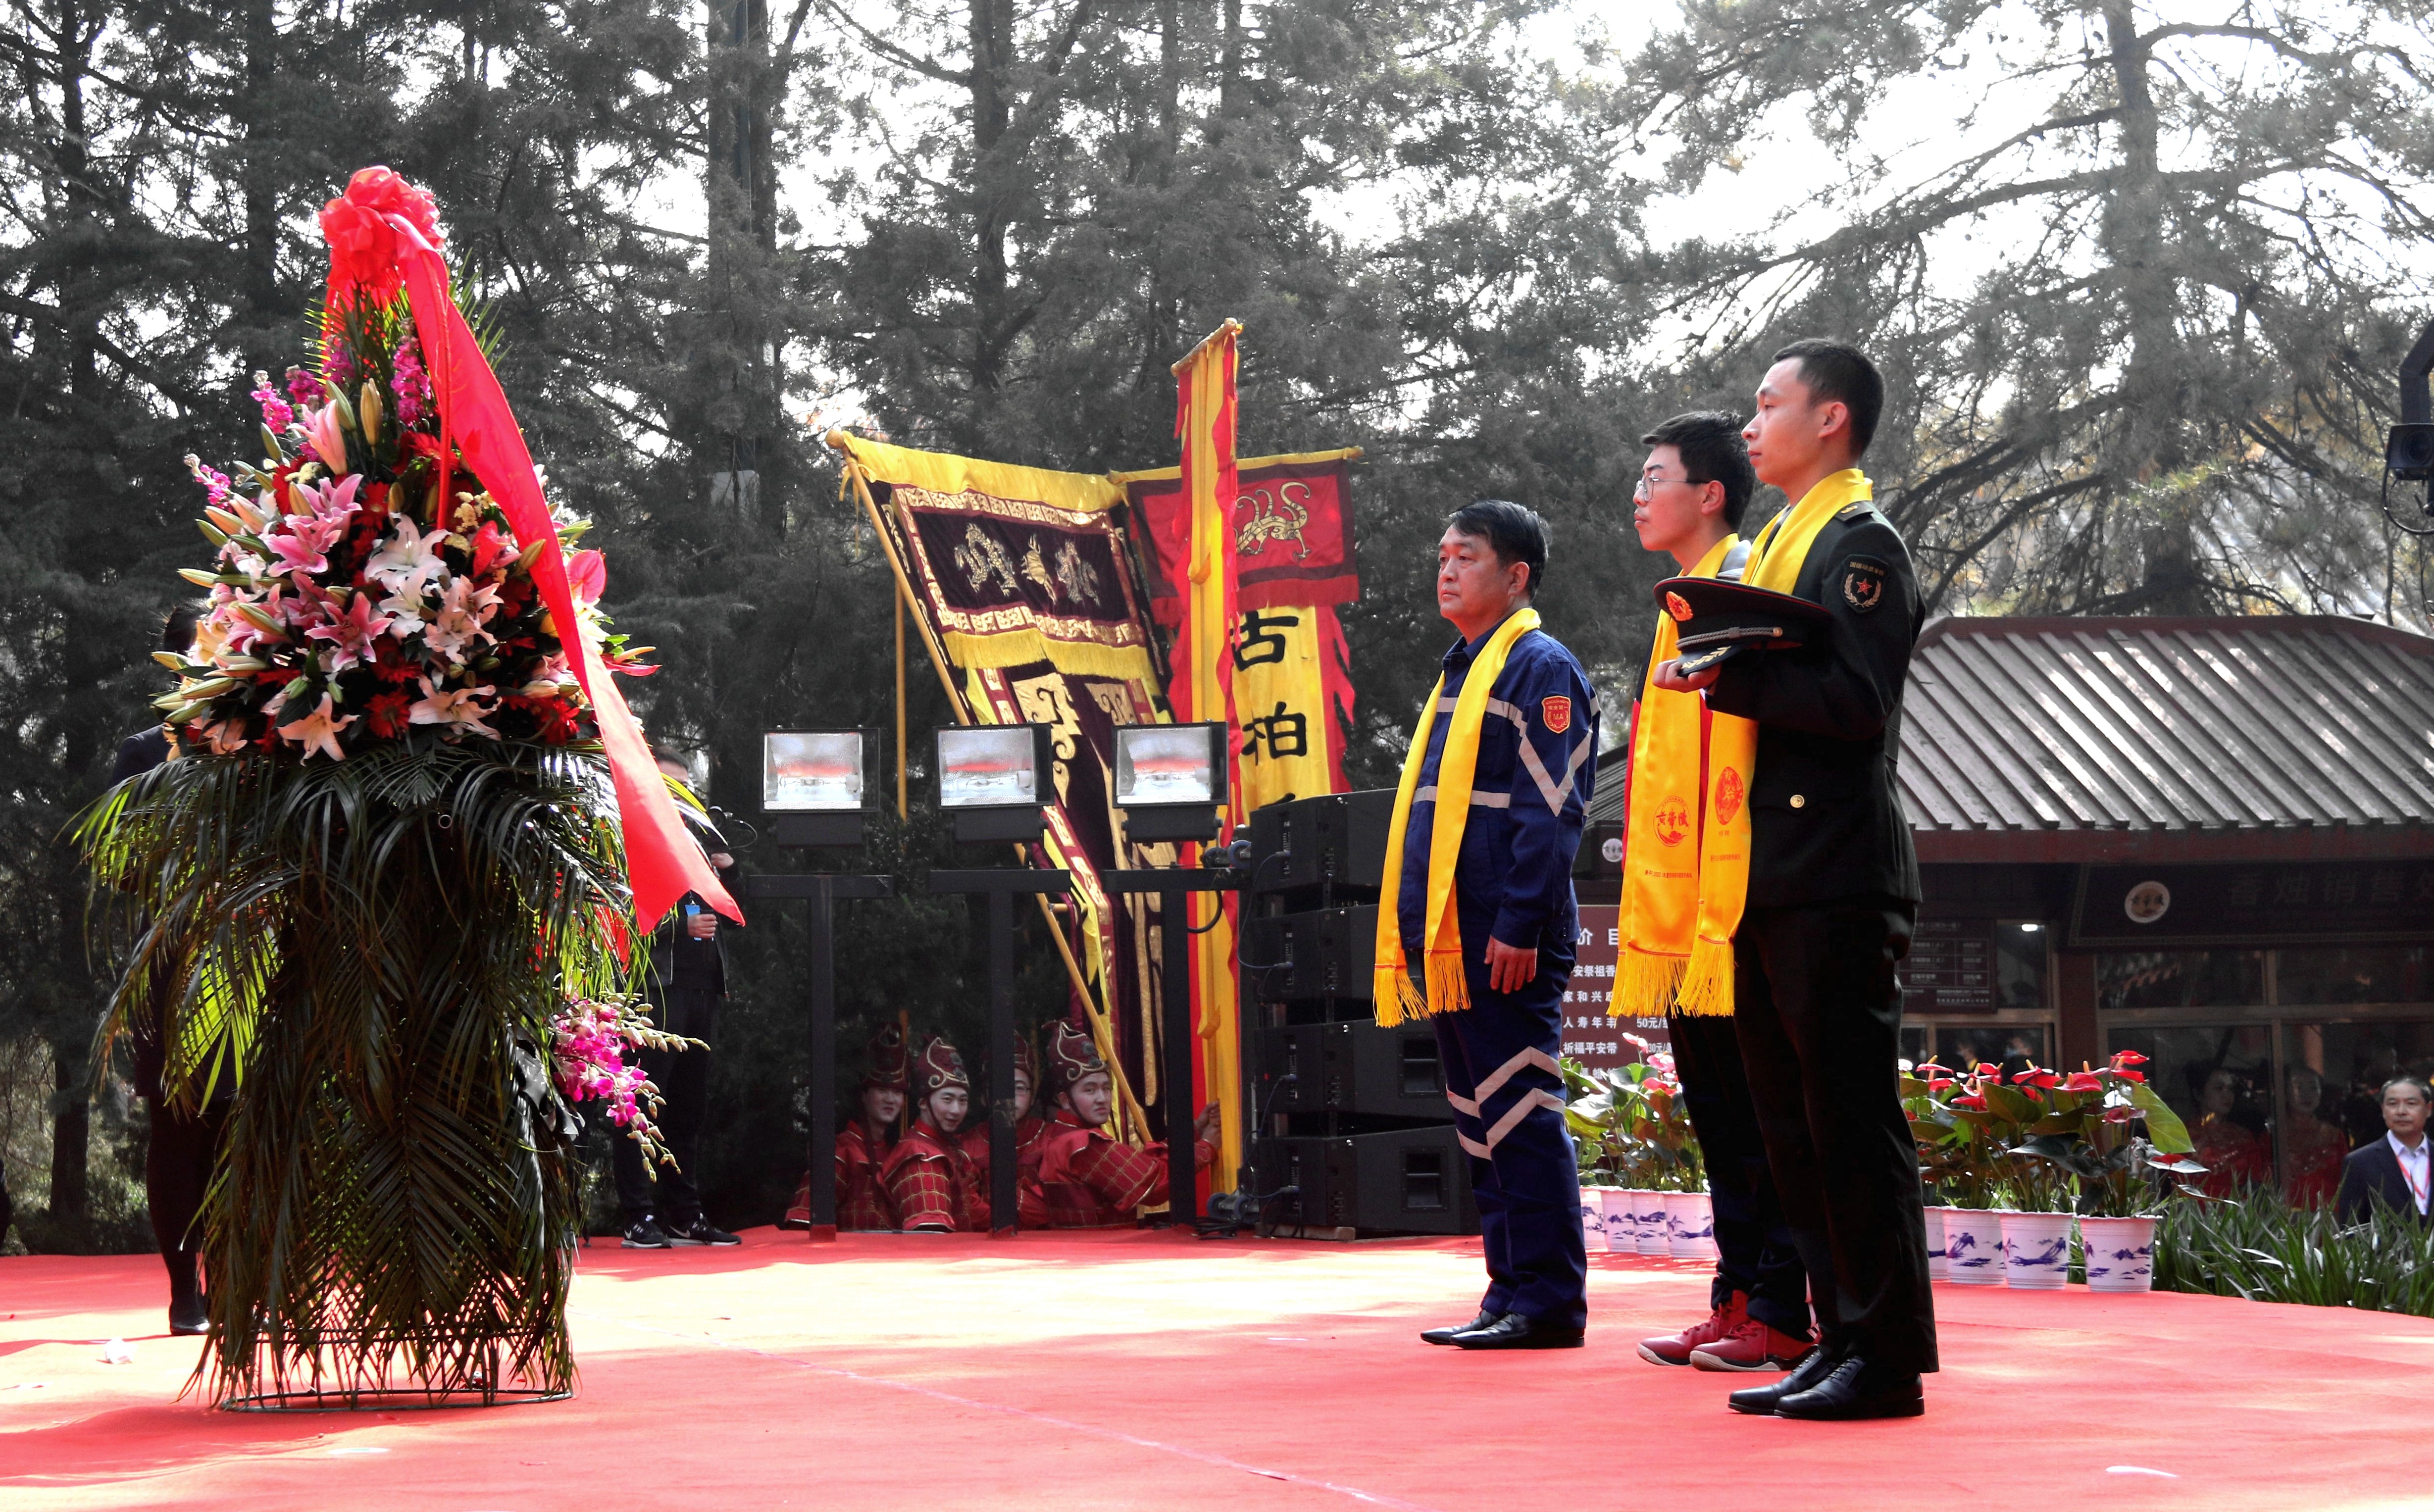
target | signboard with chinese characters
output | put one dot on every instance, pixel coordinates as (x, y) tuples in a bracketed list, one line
[(1950, 968), (2264, 904), (1590, 1036)]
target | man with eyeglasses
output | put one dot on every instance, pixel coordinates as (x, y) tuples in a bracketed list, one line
[(1693, 490)]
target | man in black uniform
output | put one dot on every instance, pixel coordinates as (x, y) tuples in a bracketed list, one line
[(662, 1207), (1833, 894)]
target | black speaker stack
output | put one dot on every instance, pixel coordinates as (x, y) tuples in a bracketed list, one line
[(1357, 1131)]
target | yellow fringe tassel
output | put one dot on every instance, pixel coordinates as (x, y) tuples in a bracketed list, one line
[(1707, 985), (1646, 983), (1399, 998)]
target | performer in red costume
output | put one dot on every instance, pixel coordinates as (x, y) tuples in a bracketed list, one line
[(1029, 1128), (1087, 1180), (864, 1143), (927, 1177)]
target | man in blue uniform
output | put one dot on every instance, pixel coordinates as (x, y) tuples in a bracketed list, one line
[(1482, 931)]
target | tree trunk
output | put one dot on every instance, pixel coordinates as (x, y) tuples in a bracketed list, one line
[(71, 1130), (2154, 445), (260, 282), (992, 45)]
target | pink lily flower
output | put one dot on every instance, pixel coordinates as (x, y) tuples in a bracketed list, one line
[(328, 440), (319, 730), (351, 635)]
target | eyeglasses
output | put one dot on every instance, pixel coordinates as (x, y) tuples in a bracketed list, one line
[(1646, 488)]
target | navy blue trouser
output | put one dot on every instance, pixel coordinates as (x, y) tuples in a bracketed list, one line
[(1508, 1109), (1755, 1253)]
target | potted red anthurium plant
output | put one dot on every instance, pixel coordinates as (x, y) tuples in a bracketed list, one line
[(1965, 1152), (2100, 1132)]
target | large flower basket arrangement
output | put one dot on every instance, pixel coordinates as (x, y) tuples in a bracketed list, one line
[(387, 887)]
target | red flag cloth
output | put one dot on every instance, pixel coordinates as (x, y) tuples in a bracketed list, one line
[(1293, 535), (380, 234)]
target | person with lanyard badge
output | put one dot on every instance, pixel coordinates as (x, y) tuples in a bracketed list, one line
[(1692, 491), (2395, 1170), (1804, 930), (1479, 927)]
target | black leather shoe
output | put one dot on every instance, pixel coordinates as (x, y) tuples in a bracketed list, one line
[(1852, 1391), (1517, 1331), (1445, 1336), (1759, 1402), (189, 1317)]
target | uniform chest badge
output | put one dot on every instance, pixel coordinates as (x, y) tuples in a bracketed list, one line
[(1678, 606), (1863, 584), (1556, 712), (1729, 794)]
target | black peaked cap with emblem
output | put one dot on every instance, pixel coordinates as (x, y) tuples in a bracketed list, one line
[(1717, 620)]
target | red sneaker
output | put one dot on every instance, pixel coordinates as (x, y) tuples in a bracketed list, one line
[(1753, 1346), (1719, 1324)]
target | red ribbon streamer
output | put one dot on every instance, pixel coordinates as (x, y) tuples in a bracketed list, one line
[(380, 235)]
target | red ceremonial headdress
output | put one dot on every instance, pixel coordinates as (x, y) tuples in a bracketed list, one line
[(1073, 1054), (1026, 1060), (383, 236), (887, 1070), (942, 1065)]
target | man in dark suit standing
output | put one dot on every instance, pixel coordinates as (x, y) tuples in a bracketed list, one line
[(180, 1142), (661, 1208), (1833, 893), (2394, 1170)]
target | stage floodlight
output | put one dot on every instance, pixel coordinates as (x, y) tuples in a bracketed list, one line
[(815, 785), (994, 780), (805, 771), (1170, 780)]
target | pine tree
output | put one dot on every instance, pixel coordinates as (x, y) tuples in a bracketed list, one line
[(2141, 331)]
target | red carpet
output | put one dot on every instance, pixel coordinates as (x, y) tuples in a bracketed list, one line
[(1138, 1370)]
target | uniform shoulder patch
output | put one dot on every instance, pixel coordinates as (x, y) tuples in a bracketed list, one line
[(1855, 511), (1556, 712), (1863, 584)]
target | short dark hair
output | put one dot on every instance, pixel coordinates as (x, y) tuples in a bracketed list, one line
[(177, 627), (2424, 1091), (1514, 531), (1838, 372), (1712, 452)]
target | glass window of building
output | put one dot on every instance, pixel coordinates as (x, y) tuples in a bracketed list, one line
[(2219, 1080), (2352, 974), (2020, 964), (2013, 1046), (2180, 979)]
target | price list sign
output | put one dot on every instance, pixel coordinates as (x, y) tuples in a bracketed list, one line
[(1951, 968), (1590, 1036)]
